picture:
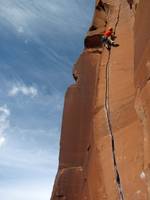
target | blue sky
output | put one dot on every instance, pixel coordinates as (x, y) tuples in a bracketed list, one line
[(39, 43)]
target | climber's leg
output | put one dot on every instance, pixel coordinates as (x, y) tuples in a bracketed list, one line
[(112, 43), (104, 41)]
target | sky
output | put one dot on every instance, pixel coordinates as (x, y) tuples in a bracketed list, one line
[(39, 43)]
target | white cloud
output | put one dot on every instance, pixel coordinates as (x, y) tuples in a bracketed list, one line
[(33, 15), (4, 122), (2, 140), (20, 29), (23, 89), (31, 190)]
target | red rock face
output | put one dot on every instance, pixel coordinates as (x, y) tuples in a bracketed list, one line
[(105, 139), (142, 79)]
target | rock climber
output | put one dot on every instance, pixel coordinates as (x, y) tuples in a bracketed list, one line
[(108, 38)]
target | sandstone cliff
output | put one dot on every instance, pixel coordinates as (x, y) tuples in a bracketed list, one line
[(105, 139)]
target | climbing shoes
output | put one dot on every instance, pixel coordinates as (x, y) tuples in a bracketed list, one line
[(110, 43)]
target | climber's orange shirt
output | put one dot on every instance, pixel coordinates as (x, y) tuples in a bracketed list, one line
[(107, 33)]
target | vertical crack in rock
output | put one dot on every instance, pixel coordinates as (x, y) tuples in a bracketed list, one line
[(118, 17), (107, 108)]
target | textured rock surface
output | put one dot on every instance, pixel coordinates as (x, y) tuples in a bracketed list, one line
[(105, 140), (142, 79)]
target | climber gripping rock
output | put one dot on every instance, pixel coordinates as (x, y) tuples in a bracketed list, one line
[(108, 38)]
